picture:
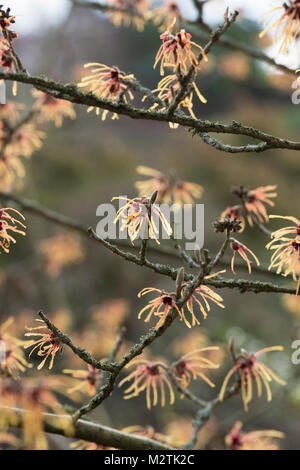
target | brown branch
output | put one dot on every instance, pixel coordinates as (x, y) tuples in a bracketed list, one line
[(93, 432), (241, 284), (71, 93)]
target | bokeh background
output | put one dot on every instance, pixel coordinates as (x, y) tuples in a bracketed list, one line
[(88, 161)]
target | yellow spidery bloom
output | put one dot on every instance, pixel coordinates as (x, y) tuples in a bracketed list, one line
[(241, 249), (138, 216), (176, 51), (248, 368), (129, 12), (201, 296), (26, 140), (160, 306), (286, 256), (106, 83), (150, 377), (47, 344), (86, 380), (255, 200), (8, 224), (164, 15), (286, 25), (166, 91), (254, 440), (194, 365)]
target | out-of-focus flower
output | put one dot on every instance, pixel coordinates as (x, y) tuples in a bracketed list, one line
[(241, 249), (34, 398), (60, 251), (201, 296), (254, 440), (86, 380), (235, 66), (234, 213), (255, 200), (7, 60), (176, 51), (286, 26), (181, 430), (53, 109), (170, 189), (107, 83), (286, 256), (292, 303), (248, 368), (12, 359), (165, 14), (167, 89), (85, 445), (47, 344), (193, 366), (9, 223), (26, 140), (129, 12), (11, 111), (150, 377), (139, 216), (9, 440), (160, 306), (111, 314)]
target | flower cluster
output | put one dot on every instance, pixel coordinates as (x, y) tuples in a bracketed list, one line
[(161, 305), (52, 109), (177, 54)]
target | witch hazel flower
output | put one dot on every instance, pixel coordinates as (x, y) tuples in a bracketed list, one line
[(160, 306), (85, 380), (163, 15), (195, 365), (253, 440), (106, 83), (170, 188), (47, 344), (139, 216), (167, 89), (9, 225), (286, 256), (149, 376), (284, 20), (249, 370), (177, 51), (243, 251)]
